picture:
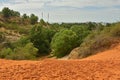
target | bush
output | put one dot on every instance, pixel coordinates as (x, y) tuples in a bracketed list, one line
[(63, 42), (24, 16), (21, 42), (115, 31), (81, 31), (42, 22), (41, 38), (2, 37), (24, 53), (8, 13), (33, 19), (20, 53), (95, 45), (11, 26), (5, 52)]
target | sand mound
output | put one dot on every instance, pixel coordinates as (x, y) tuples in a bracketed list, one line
[(104, 66)]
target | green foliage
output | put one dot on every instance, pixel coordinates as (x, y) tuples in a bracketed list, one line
[(18, 28), (2, 24), (25, 19), (14, 13), (8, 13), (56, 27), (25, 16), (21, 42), (2, 37), (94, 43), (58, 39), (20, 53), (91, 26), (81, 31), (26, 52), (100, 40), (41, 38), (116, 31), (22, 49), (5, 52), (63, 42), (11, 26), (33, 19), (42, 22)]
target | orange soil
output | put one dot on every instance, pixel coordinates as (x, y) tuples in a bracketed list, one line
[(103, 66)]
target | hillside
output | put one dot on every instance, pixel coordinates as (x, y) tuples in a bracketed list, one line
[(11, 35), (103, 66), (59, 40)]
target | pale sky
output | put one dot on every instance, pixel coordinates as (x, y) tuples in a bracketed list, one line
[(68, 10)]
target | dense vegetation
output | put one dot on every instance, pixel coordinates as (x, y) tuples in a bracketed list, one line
[(63, 42), (24, 37)]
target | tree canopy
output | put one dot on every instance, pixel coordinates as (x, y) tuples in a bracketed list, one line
[(63, 42)]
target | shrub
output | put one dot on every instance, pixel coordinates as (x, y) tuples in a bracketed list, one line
[(33, 19), (42, 22), (115, 31), (63, 42), (81, 31), (1, 25), (96, 42), (21, 42), (24, 16), (41, 38), (11, 26), (20, 53), (5, 52), (8, 13), (23, 53), (2, 37)]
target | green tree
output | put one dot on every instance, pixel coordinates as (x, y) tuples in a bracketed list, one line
[(25, 16), (81, 31), (91, 25), (14, 13), (6, 12), (33, 19), (63, 42), (42, 22), (41, 38)]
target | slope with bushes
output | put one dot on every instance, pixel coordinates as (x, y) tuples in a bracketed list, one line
[(13, 27), (98, 41)]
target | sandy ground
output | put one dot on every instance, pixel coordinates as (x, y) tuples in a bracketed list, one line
[(103, 66)]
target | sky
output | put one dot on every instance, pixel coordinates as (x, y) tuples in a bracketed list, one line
[(68, 10)]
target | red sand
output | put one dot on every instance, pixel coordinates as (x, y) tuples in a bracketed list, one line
[(103, 66)]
